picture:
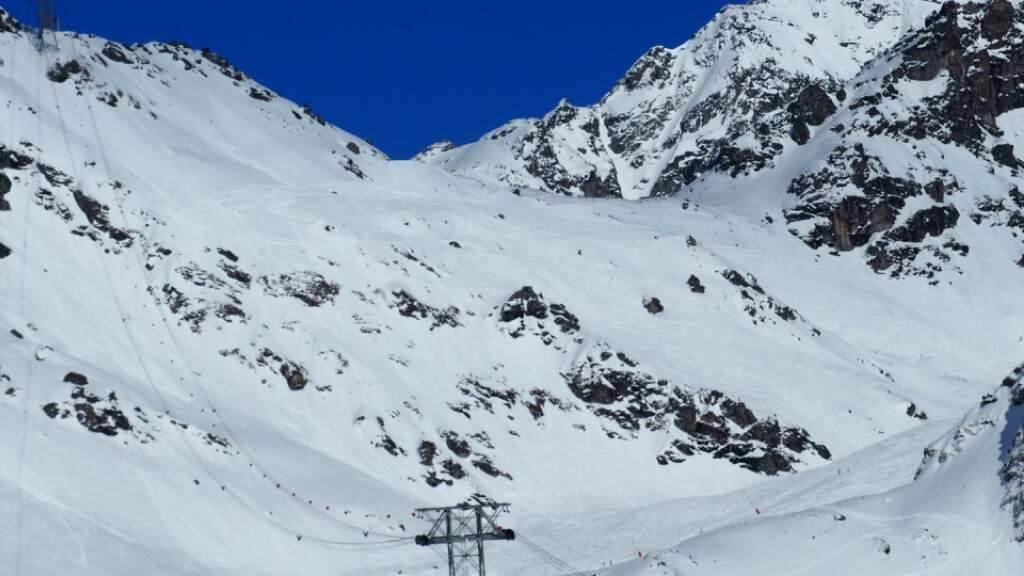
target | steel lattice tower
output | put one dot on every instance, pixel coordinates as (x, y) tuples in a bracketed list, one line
[(464, 529)]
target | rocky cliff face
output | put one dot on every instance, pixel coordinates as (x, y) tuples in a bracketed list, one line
[(944, 90)]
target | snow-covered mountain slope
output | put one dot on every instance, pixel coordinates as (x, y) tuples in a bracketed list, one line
[(238, 340), (956, 517), (716, 103)]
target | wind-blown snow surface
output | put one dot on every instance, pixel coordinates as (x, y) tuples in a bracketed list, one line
[(228, 325)]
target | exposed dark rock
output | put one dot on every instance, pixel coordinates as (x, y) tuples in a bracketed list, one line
[(936, 190), (653, 305), (611, 377), (223, 65), (929, 222), (260, 94), (308, 111), (4, 251), (236, 274), (96, 414), (738, 412), (457, 445), (174, 299), (62, 71), (294, 375), (116, 53), (614, 388), (524, 302), (596, 187), (410, 307), (913, 412), (654, 67), (227, 254), (230, 312), (8, 24), (812, 107), (740, 281), (14, 160), (54, 176), (427, 451), (453, 469), (485, 465), (483, 396), (106, 421), (5, 188), (1003, 154), (76, 379), (848, 222), (695, 286), (353, 147), (97, 215), (526, 311), (800, 133), (310, 288), (998, 19)]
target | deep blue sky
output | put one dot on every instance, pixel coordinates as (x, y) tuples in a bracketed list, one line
[(406, 74)]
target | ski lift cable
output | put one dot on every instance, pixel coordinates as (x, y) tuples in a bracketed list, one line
[(156, 392), (544, 554), (29, 368), (552, 560), (550, 556), (191, 374), (117, 302), (562, 569)]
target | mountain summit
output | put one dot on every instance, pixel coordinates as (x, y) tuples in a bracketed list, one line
[(718, 103)]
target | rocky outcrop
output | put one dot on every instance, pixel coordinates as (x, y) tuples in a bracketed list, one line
[(695, 286), (845, 222), (76, 379), (408, 306), (62, 71), (294, 375), (101, 415), (653, 306), (928, 222), (615, 388), (978, 46), (527, 312), (1012, 471), (8, 24), (98, 215), (1003, 154), (117, 53), (811, 108), (310, 288), (5, 188)]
